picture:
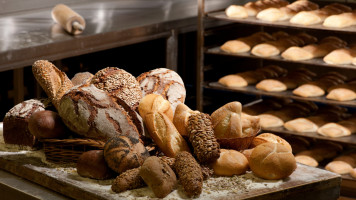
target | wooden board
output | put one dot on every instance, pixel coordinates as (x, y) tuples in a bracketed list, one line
[(306, 182)]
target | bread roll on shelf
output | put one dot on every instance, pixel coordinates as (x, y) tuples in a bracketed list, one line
[(341, 20), (339, 129), (318, 16), (311, 51), (244, 44), (343, 164), (252, 77), (341, 56), (343, 92), (274, 48), (290, 81), (320, 86), (252, 8), (286, 12)]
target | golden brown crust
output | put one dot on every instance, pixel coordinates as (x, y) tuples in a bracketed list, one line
[(230, 163), (270, 137), (180, 118), (189, 174), (52, 80), (155, 103), (92, 164)]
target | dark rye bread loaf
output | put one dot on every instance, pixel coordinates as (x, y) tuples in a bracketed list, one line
[(164, 82), (119, 84), (92, 113), (16, 122)]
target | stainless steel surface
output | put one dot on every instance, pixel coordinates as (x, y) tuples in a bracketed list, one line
[(251, 89), (14, 187), (31, 35)]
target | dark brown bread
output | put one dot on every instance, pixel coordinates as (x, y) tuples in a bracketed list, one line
[(16, 122), (119, 84), (92, 113), (189, 174), (92, 164), (128, 180), (123, 153), (164, 82), (158, 176)]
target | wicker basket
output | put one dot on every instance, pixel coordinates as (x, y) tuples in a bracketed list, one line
[(65, 151)]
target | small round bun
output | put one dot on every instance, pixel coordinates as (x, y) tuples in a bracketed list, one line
[(91, 164), (269, 137), (272, 161), (47, 124), (230, 162), (306, 160), (339, 167)]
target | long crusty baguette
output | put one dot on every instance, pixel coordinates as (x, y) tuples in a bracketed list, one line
[(343, 92), (290, 81), (318, 16), (287, 12), (311, 51), (341, 56), (339, 129), (320, 86), (244, 44), (52, 80), (274, 48), (252, 8), (341, 20), (252, 77)]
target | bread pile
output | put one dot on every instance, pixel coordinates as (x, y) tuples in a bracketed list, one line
[(300, 12), (151, 137)]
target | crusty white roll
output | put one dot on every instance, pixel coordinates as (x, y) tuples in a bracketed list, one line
[(165, 134), (301, 125), (230, 162), (236, 11), (269, 137), (272, 161), (306, 160), (341, 20), (180, 118), (155, 103), (337, 129), (342, 56), (339, 167)]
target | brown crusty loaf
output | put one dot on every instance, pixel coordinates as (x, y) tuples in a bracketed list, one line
[(164, 134), (16, 122), (164, 82), (52, 80), (123, 153), (272, 161), (201, 136), (119, 84), (189, 173), (82, 78), (91, 112), (155, 103), (92, 164), (180, 118), (128, 180), (158, 176)]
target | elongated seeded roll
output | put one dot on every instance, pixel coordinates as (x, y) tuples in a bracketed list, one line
[(202, 138), (189, 173), (128, 180)]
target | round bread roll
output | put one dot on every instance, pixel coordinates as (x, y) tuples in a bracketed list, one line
[(15, 127), (155, 103), (230, 163), (119, 84), (164, 82), (247, 153), (47, 124), (82, 78), (353, 173), (272, 161), (269, 137), (92, 164), (123, 153), (158, 176), (339, 167), (306, 160)]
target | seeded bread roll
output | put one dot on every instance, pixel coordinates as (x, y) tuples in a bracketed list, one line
[(158, 176), (52, 80), (272, 161), (123, 153), (128, 180), (92, 164), (155, 103), (119, 84), (91, 112), (189, 173), (164, 82), (82, 78), (16, 121)]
